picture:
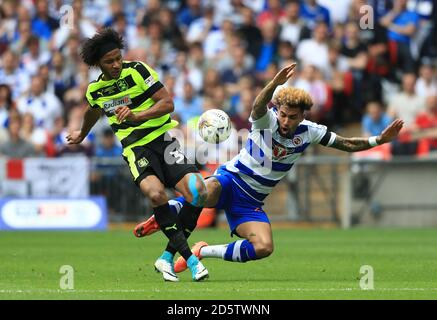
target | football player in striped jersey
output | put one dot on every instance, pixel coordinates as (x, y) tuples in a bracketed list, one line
[(138, 109)]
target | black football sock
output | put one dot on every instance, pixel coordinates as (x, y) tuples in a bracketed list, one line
[(188, 220), (168, 223)]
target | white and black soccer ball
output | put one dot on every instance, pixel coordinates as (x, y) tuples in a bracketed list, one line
[(214, 126)]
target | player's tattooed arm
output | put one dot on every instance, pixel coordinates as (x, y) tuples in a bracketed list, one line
[(259, 108), (351, 144), (359, 144)]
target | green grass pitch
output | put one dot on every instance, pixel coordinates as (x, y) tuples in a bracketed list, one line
[(306, 264)]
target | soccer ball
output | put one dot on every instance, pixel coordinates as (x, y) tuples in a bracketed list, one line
[(214, 126)]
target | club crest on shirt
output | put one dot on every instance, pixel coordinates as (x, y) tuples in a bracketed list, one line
[(122, 85), (143, 162)]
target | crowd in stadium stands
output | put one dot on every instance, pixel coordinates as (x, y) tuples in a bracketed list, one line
[(359, 65)]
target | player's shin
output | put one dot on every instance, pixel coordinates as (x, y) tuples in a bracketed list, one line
[(187, 218), (168, 222)]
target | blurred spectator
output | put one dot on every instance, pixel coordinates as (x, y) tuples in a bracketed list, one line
[(401, 25), (426, 84), (250, 33), (424, 9), (15, 146), (43, 24), (338, 9), (108, 146), (59, 78), (8, 23), (211, 80), (128, 32), (406, 104), (356, 53), (427, 119), (313, 13), (375, 120), (273, 13), (34, 135), (217, 41), (200, 27), (311, 80), (44, 106), (21, 39), (241, 118), (269, 45), (293, 28), (220, 100), (241, 64), (286, 52), (171, 31), (115, 7), (188, 14), (314, 51), (10, 74), (34, 57), (189, 104), (6, 104)]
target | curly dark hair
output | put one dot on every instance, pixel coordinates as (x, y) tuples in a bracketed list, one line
[(91, 47)]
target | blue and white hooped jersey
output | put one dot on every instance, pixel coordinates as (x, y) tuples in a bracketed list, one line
[(268, 156)]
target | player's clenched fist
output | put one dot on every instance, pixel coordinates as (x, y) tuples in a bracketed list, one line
[(75, 137), (124, 113)]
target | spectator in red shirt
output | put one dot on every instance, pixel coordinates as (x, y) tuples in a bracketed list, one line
[(428, 119)]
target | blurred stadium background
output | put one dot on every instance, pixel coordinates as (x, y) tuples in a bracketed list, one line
[(364, 63)]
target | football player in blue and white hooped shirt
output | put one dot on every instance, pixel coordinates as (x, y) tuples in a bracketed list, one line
[(277, 140)]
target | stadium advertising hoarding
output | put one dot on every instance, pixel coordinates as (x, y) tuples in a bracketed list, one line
[(53, 214), (40, 177)]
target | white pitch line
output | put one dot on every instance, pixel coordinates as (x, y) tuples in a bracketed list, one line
[(212, 290)]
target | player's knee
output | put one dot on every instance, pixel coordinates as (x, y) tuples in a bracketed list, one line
[(198, 193), (158, 197), (263, 249)]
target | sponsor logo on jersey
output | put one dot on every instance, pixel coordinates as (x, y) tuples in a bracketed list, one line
[(280, 151), (111, 105)]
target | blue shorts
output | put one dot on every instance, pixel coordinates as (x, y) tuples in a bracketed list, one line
[(237, 204)]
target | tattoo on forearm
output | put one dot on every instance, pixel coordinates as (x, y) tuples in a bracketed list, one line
[(252, 234), (261, 101), (351, 144)]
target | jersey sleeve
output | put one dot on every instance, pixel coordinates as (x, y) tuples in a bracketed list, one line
[(319, 134), (148, 78), (267, 121), (90, 99)]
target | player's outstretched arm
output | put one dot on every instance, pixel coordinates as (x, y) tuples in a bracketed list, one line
[(360, 144), (259, 108), (90, 118)]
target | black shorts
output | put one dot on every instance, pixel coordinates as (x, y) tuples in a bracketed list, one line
[(161, 157)]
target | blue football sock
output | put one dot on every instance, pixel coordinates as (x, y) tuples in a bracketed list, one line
[(240, 251)]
